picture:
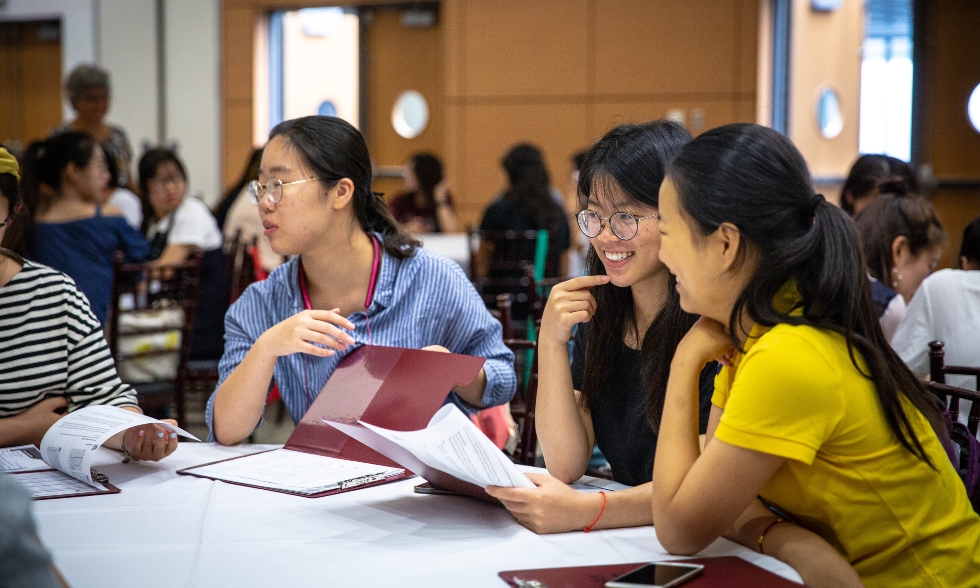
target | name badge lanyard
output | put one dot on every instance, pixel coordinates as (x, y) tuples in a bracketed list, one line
[(372, 285)]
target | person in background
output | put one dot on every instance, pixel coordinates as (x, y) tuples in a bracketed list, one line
[(242, 217), (120, 196), (813, 412), (88, 91), (238, 191), (946, 308), (902, 240), (65, 180), (355, 277), (426, 206), (53, 355), (528, 203), (867, 174), (579, 245), (178, 225)]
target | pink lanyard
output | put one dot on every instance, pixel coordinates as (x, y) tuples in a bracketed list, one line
[(372, 285)]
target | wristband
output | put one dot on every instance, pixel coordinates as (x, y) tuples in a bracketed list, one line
[(767, 529), (601, 510)]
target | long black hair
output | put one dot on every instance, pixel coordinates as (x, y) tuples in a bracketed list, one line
[(756, 179), (149, 165), (530, 186), (631, 159), (333, 149), (428, 172)]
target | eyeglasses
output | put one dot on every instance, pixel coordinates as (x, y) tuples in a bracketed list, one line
[(623, 224), (165, 180), (272, 187)]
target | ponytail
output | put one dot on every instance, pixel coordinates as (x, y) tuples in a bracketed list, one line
[(333, 150), (754, 178)]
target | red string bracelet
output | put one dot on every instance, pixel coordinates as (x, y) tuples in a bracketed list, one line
[(767, 529), (601, 510)]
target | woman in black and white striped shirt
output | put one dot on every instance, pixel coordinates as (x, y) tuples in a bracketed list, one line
[(53, 356)]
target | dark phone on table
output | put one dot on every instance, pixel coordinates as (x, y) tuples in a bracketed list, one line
[(657, 575)]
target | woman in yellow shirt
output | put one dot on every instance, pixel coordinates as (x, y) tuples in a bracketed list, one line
[(815, 414)]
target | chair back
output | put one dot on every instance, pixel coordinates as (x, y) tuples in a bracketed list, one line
[(938, 370), (525, 399), (151, 305), (241, 263)]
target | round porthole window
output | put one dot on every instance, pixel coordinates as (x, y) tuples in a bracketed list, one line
[(973, 108), (410, 115), (830, 121)]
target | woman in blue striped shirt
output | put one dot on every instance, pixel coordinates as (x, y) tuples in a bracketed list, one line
[(356, 278)]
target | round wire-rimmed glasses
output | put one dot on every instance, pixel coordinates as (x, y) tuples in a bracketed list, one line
[(623, 224), (273, 187)]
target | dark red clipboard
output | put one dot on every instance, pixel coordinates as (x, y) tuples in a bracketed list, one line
[(391, 387), (108, 488), (728, 572)]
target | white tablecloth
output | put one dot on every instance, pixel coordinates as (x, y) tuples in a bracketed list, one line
[(451, 245), (181, 531)]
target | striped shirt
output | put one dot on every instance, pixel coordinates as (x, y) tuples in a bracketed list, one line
[(52, 345), (421, 300)]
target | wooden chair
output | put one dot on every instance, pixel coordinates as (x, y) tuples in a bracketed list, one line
[(523, 403), (499, 262), (241, 263), (137, 289), (953, 394)]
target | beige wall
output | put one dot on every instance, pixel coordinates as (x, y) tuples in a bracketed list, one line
[(825, 51), (557, 73)]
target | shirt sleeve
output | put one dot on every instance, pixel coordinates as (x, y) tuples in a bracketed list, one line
[(193, 224), (92, 377), (132, 242), (914, 332), (238, 341), (786, 400), (476, 332)]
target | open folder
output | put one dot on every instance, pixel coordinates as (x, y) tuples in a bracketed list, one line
[(393, 387)]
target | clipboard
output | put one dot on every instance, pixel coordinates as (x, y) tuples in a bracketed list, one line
[(728, 571), (23, 477), (393, 387)]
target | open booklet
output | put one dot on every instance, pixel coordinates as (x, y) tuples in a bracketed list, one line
[(63, 465), (396, 387), (450, 453)]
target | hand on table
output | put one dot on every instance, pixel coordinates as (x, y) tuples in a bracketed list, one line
[(298, 333), (552, 507), (150, 442)]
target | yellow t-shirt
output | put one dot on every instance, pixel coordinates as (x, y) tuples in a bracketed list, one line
[(796, 394)]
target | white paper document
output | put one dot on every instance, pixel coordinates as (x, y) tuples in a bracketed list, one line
[(295, 472), (23, 458), (452, 443), (70, 444)]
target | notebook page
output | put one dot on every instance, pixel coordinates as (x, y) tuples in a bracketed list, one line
[(295, 471)]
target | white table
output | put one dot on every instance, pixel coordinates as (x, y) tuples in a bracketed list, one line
[(451, 245), (182, 531)]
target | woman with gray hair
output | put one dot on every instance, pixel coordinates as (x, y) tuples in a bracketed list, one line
[(87, 88)]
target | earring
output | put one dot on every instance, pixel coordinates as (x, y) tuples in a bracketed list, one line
[(898, 278)]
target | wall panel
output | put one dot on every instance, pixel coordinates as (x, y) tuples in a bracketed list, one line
[(662, 46), (519, 48)]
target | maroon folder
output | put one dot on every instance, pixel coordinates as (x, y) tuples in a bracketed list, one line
[(391, 387), (730, 572)]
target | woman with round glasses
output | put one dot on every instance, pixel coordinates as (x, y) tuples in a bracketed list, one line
[(177, 226), (629, 321), (355, 278)]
